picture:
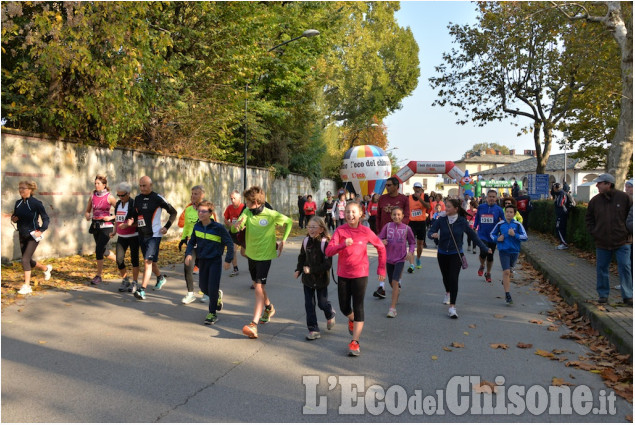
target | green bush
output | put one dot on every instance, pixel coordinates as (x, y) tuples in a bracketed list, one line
[(543, 219)]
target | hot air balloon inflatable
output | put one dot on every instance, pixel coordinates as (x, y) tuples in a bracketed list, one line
[(366, 167)]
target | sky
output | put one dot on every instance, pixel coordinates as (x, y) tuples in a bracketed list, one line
[(421, 132)]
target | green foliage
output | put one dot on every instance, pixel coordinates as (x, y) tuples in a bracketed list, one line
[(543, 219), (478, 147)]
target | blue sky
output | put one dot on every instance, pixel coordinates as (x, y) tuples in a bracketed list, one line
[(425, 133)]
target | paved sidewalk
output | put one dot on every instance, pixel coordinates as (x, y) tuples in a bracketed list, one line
[(576, 279)]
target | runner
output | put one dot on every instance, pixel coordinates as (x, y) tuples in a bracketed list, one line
[(418, 221), (187, 220), (126, 238), (487, 215), (372, 212), (102, 224), (384, 210), (471, 213), (400, 246), (27, 214), (327, 208), (350, 242), (209, 238), (146, 214), (340, 210), (260, 239), (314, 266), (231, 214)]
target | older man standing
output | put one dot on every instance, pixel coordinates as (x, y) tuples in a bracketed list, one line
[(606, 221)]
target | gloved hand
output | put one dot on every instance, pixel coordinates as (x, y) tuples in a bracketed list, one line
[(183, 242)]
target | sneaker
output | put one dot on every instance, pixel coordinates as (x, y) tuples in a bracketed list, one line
[(47, 272), (210, 319), (330, 323), (508, 299), (418, 261), (194, 271), (603, 300), (562, 246), (140, 294), (411, 268), (125, 283), (251, 330), (133, 287), (160, 282), (204, 299), (380, 292), (219, 304), (488, 277), (481, 270), (188, 298), (353, 349), (618, 287), (350, 327), (452, 313), (96, 280), (267, 314), (313, 335), (473, 250), (25, 289), (511, 272), (252, 286), (234, 273), (628, 301), (446, 299), (392, 313)]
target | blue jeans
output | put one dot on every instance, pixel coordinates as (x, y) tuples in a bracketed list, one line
[(322, 302), (623, 256)]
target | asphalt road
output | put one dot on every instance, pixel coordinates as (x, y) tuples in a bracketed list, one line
[(97, 355)]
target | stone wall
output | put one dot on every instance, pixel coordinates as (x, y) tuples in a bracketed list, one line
[(65, 171)]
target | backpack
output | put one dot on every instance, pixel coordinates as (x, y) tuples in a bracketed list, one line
[(323, 245)]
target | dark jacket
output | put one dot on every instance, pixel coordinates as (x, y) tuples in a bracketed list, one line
[(606, 219), (446, 244), (317, 261), (28, 211), (210, 242)]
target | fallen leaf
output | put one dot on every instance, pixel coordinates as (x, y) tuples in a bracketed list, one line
[(458, 345), (41, 342), (434, 357), (629, 418), (553, 328), (447, 349), (485, 387), (557, 382), (499, 316), (472, 326), (543, 353), (524, 345), (466, 333), (536, 321), (499, 345)]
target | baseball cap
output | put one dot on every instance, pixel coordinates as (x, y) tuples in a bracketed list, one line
[(417, 184), (605, 178), (629, 182)]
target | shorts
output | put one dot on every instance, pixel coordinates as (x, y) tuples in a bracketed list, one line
[(259, 270), (234, 237), (419, 229), (490, 257), (394, 271), (150, 248), (508, 259)]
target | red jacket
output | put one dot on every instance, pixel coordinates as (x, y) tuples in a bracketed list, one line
[(353, 260)]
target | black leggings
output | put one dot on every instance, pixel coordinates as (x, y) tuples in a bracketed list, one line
[(122, 245), (450, 266), (102, 237), (27, 247), (354, 289)]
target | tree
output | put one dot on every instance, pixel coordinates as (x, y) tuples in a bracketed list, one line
[(478, 147), (617, 18), (513, 63)]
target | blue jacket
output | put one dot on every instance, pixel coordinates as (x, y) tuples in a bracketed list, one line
[(29, 211), (210, 241), (510, 244), (446, 244), (486, 218)]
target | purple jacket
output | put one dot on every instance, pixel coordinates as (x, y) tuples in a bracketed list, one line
[(401, 240)]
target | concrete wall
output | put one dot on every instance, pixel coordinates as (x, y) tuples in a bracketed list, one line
[(65, 173)]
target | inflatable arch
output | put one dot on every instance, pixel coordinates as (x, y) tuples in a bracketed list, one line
[(422, 167)]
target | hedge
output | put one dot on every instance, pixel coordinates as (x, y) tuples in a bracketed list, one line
[(543, 219)]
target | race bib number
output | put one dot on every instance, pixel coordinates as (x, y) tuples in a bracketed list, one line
[(487, 219), (416, 213), (121, 217), (234, 221), (106, 224), (329, 210), (141, 222)]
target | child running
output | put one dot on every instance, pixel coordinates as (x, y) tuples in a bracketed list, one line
[(260, 239), (350, 240), (314, 266), (400, 246), (508, 233), (210, 239)]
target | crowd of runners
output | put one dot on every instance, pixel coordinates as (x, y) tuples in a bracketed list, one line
[(398, 226)]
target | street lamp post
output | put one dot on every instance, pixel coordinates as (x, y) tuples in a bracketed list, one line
[(307, 34)]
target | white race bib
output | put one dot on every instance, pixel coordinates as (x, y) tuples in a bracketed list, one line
[(487, 219), (141, 222)]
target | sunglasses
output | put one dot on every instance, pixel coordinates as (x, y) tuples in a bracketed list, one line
[(121, 196), (204, 212)]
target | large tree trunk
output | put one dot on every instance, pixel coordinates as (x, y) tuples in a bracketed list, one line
[(541, 155)]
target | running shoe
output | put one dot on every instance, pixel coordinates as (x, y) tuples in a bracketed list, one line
[(446, 299), (133, 287), (380, 292), (251, 330), (488, 277), (330, 323), (252, 286), (234, 273), (481, 270), (452, 313), (195, 270), (418, 263), (392, 313), (125, 283), (219, 304), (511, 272), (562, 246), (267, 313), (508, 299), (313, 335), (140, 294), (411, 268), (25, 289), (210, 319), (188, 298), (204, 299), (47, 272), (350, 327), (353, 349), (160, 282), (473, 250), (96, 280)]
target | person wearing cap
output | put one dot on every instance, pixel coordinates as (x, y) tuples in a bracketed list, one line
[(418, 221), (628, 187), (563, 203), (606, 219)]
